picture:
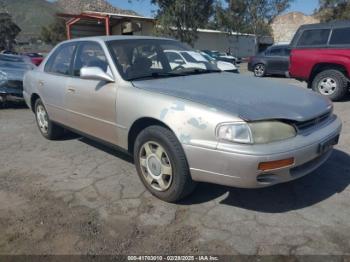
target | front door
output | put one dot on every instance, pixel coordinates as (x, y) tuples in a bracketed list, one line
[(91, 104)]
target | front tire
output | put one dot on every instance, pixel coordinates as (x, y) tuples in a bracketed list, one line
[(331, 83), (46, 127), (161, 164)]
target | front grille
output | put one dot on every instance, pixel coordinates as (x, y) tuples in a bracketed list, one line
[(16, 84), (312, 122)]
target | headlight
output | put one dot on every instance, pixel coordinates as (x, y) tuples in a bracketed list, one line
[(255, 132), (3, 77), (235, 132)]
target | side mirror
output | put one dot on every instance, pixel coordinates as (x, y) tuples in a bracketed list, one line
[(95, 73)]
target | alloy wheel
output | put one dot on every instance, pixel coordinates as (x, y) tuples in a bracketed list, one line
[(155, 166), (259, 70), (42, 119), (327, 86)]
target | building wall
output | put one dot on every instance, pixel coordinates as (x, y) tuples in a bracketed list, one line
[(116, 29), (238, 45), (146, 29), (285, 26), (85, 30)]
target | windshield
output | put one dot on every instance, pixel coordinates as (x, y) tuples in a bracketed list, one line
[(155, 58)]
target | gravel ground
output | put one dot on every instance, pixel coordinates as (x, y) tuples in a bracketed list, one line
[(76, 196)]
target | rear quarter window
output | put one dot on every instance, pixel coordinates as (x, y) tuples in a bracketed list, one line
[(340, 36), (315, 37)]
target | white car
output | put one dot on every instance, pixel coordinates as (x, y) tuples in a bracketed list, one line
[(185, 59), (222, 65), (192, 59)]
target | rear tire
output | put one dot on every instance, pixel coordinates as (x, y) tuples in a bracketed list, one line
[(331, 83), (46, 127), (165, 155)]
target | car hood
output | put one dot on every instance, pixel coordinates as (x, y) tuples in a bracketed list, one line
[(249, 98)]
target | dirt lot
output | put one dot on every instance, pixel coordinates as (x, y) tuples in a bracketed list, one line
[(77, 197)]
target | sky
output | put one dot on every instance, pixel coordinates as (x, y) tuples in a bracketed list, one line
[(145, 8)]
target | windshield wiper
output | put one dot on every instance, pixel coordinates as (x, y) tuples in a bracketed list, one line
[(201, 71), (155, 76)]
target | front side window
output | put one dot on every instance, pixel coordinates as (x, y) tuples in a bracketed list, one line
[(61, 60), (154, 58), (340, 36), (314, 37), (90, 54)]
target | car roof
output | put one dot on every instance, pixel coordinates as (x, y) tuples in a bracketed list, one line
[(329, 25), (284, 45), (340, 23), (115, 38)]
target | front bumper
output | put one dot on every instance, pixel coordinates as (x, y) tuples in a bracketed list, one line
[(232, 166)]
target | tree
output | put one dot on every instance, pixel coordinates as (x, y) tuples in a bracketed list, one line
[(250, 16), (182, 18), (8, 31), (333, 10), (54, 32)]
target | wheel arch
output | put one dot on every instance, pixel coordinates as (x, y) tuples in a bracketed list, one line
[(139, 125), (318, 68), (33, 99)]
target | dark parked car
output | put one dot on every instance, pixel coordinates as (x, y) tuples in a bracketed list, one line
[(321, 57), (12, 69), (8, 52), (273, 61), (222, 56)]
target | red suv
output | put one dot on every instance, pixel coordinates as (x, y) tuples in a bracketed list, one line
[(321, 56)]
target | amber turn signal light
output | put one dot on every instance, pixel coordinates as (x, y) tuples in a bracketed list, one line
[(265, 166)]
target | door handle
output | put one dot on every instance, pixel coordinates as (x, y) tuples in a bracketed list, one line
[(41, 83)]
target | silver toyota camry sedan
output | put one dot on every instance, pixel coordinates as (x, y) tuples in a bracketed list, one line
[(182, 124)]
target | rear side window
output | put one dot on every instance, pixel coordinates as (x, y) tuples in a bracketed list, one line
[(340, 36), (60, 61), (189, 58), (278, 51), (314, 37)]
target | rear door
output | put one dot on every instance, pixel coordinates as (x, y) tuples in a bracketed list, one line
[(52, 83), (91, 104)]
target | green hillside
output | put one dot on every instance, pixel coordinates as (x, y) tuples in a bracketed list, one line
[(31, 15)]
